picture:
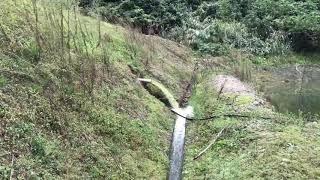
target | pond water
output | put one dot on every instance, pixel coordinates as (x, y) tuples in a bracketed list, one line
[(294, 88)]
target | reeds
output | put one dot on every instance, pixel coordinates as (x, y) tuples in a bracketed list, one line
[(61, 36), (36, 30), (243, 70)]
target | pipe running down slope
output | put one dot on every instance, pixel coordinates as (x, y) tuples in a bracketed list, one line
[(178, 137), (177, 144)]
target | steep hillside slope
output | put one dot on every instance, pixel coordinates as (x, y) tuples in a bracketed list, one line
[(70, 105)]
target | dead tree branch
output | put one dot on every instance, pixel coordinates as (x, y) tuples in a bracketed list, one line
[(210, 145)]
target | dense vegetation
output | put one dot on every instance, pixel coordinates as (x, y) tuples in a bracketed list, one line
[(257, 26), (71, 107)]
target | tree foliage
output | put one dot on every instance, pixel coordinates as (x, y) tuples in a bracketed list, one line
[(152, 16), (260, 21)]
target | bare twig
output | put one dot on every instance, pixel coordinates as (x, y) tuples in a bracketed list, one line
[(84, 39), (221, 89), (62, 32), (210, 145), (37, 36), (12, 168), (300, 91), (99, 31), (69, 36), (75, 34)]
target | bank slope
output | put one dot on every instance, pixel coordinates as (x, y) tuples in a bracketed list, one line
[(70, 105)]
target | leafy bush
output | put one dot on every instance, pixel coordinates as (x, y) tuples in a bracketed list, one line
[(218, 36), (262, 26), (153, 17), (300, 20)]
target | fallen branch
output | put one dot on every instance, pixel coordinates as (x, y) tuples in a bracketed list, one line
[(218, 116), (210, 145)]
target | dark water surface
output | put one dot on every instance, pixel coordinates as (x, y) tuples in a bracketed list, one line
[(294, 88)]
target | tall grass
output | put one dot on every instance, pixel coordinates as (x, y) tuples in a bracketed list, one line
[(68, 108), (243, 70), (58, 38)]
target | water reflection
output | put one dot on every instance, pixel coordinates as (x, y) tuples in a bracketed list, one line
[(292, 88)]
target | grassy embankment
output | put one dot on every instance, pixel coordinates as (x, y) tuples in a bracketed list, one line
[(286, 146), (70, 107)]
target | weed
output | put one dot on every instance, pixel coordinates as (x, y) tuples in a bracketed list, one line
[(68, 107)]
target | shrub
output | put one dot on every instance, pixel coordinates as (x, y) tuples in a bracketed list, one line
[(218, 36), (256, 26)]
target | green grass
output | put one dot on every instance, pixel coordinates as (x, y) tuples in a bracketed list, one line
[(284, 147), (73, 110), (291, 58), (70, 108)]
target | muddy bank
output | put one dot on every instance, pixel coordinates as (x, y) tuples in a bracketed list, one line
[(239, 93)]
